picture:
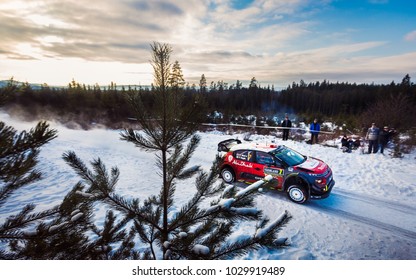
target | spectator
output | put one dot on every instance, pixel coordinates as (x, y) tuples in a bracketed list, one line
[(356, 143), (286, 123), (384, 137), (372, 137), (346, 144), (314, 128)]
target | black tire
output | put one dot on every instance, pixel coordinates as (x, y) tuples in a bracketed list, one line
[(297, 193), (227, 174)]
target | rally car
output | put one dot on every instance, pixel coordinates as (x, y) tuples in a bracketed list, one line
[(300, 176)]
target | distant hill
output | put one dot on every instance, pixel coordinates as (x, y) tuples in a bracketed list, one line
[(4, 83)]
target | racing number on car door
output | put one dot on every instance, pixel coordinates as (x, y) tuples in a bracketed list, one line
[(278, 175)]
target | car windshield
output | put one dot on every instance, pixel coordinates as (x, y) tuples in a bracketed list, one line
[(288, 156)]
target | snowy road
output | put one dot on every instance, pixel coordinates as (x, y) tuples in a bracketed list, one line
[(371, 211), (400, 220)]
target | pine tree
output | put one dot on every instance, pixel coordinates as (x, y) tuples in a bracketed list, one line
[(176, 79), (6, 91), (192, 232), (203, 84), (18, 159), (66, 231), (253, 84)]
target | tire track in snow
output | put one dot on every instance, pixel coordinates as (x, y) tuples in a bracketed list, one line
[(405, 208), (370, 211), (364, 209)]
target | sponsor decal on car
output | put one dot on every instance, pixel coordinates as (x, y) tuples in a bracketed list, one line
[(242, 163), (273, 171)]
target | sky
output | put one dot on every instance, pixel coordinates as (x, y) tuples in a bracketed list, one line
[(276, 42)]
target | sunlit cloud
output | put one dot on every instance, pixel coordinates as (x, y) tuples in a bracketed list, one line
[(275, 41)]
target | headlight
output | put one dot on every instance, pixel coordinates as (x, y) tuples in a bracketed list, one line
[(320, 181)]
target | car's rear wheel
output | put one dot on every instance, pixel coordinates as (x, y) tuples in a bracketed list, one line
[(297, 193), (228, 175)]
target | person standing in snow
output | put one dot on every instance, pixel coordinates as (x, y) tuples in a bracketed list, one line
[(372, 137), (384, 137), (314, 128), (286, 123)]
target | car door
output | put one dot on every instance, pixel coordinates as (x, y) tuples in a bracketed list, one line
[(269, 166), (243, 165), (262, 160)]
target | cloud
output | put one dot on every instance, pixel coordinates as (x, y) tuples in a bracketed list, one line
[(273, 41), (106, 31), (335, 63), (411, 36), (122, 30), (14, 31)]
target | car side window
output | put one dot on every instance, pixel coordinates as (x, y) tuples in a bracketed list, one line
[(245, 155), (264, 158), (278, 164)]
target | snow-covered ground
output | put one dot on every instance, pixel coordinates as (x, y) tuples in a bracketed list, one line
[(371, 213)]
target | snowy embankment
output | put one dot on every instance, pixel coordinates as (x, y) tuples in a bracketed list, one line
[(371, 213)]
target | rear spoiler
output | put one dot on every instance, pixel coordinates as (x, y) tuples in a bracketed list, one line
[(225, 146)]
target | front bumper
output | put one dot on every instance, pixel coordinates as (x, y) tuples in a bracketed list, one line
[(316, 193)]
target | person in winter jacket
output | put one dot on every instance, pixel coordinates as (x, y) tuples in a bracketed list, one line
[(372, 137), (346, 144), (314, 128), (286, 123), (384, 137)]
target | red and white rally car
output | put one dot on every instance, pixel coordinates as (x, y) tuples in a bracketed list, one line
[(301, 177)]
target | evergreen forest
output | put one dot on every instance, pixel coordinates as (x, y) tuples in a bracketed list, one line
[(352, 105)]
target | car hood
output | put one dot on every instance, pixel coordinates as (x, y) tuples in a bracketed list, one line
[(314, 165)]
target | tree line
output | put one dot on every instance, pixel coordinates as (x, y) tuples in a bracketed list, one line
[(356, 105), (351, 101)]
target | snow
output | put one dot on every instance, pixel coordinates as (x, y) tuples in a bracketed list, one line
[(227, 189), (183, 234), (254, 186), (261, 232), (55, 227), (245, 211), (200, 249), (226, 203), (84, 194), (370, 214), (76, 217)]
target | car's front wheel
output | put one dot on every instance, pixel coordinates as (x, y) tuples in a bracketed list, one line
[(228, 175), (297, 193)]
